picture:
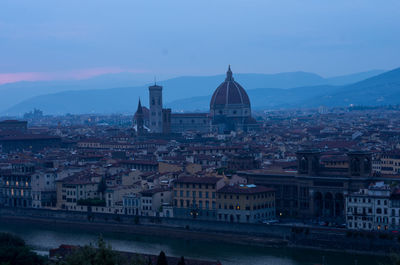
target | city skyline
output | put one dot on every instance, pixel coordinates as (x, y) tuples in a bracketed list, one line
[(200, 132)]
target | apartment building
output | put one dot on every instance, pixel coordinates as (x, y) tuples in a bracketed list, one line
[(195, 197), (245, 203), (369, 209)]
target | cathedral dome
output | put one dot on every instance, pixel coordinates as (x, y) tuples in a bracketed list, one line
[(228, 93)]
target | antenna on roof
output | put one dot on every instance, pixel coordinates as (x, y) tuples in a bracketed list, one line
[(155, 80)]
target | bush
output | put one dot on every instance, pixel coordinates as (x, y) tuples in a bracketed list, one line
[(162, 259), (14, 251), (102, 254), (181, 261)]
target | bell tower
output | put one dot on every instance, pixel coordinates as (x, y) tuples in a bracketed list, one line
[(360, 163), (308, 162), (156, 105)]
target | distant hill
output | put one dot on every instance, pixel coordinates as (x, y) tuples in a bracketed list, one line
[(181, 93), (261, 98), (383, 89), (14, 93)]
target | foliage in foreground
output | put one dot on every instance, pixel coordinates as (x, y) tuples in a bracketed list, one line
[(14, 251), (102, 254)]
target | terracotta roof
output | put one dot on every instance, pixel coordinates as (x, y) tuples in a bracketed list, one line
[(151, 192), (244, 189), (29, 137), (198, 180), (229, 92)]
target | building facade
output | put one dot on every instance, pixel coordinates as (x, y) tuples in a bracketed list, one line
[(315, 191), (195, 197), (245, 203), (181, 122), (370, 209), (15, 185)]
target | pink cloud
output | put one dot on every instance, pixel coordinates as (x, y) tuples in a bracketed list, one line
[(16, 77), (65, 75)]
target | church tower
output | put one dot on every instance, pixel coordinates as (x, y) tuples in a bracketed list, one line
[(139, 119), (155, 103)]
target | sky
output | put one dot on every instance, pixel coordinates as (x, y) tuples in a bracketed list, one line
[(75, 39)]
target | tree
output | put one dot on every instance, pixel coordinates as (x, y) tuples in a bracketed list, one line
[(181, 261), (102, 187), (102, 254), (162, 259), (394, 259), (14, 251), (138, 260)]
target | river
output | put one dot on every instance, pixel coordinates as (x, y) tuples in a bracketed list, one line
[(42, 238)]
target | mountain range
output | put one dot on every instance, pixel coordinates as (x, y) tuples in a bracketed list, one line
[(192, 93)]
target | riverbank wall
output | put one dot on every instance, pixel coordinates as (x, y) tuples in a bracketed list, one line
[(191, 229)]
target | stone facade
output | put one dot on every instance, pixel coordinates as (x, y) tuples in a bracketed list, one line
[(195, 197), (245, 204), (314, 191)]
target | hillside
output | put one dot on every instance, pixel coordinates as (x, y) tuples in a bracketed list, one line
[(188, 94)]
